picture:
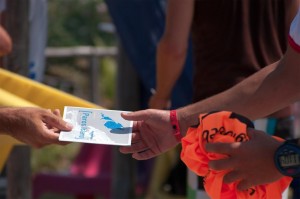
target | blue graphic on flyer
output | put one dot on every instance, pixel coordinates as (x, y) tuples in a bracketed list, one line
[(110, 123)]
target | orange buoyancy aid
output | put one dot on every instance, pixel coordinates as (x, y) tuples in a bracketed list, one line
[(223, 127)]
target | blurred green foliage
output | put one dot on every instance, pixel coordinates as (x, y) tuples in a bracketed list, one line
[(108, 82), (76, 22), (53, 158)]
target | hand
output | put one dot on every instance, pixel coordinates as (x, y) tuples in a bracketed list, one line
[(157, 102), (152, 134), (249, 162), (5, 42), (34, 126)]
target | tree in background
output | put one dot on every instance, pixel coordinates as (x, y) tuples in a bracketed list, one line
[(76, 22)]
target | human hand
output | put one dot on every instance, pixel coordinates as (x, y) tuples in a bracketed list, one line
[(152, 134), (36, 127), (158, 102), (5, 42), (249, 162)]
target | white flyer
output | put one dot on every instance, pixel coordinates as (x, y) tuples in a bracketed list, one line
[(97, 126)]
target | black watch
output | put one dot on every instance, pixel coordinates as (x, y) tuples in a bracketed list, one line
[(287, 158)]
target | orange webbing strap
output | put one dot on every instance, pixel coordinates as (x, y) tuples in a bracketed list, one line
[(222, 127)]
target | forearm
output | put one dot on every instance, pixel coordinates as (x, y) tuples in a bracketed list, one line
[(170, 63), (279, 89), (172, 48), (6, 119), (231, 99), (265, 92)]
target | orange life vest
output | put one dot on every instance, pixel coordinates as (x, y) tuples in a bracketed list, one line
[(223, 127)]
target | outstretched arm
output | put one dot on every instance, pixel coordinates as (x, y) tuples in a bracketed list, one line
[(263, 93), (270, 89), (152, 134), (266, 91), (34, 126)]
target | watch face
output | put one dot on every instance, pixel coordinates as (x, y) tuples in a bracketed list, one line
[(288, 159)]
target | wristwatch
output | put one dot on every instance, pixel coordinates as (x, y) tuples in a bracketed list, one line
[(287, 158)]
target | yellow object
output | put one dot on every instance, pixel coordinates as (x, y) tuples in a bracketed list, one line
[(7, 142), (39, 94), (16, 90)]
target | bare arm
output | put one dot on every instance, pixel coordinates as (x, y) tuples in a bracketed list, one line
[(265, 92), (5, 42), (172, 49), (34, 126)]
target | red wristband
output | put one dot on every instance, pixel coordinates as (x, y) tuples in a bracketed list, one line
[(175, 125)]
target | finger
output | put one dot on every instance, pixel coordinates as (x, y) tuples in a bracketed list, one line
[(221, 164), (232, 177), (221, 148), (134, 148), (136, 126), (125, 149), (135, 116), (244, 185), (145, 155), (57, 112), (139, 146), (51, 134), (136, 137), (63, 143), (53, 138), (49, 137), (57, 122)]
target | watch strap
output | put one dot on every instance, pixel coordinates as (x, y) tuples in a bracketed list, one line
[(287, 158)]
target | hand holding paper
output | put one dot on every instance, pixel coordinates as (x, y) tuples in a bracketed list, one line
[(97, 126)]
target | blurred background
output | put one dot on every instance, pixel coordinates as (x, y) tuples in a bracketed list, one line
[(102, 51), (78, 23)]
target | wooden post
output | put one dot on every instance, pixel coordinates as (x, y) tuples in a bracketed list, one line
[(16, 23), (18, 165), (128, 98), (18, 173)]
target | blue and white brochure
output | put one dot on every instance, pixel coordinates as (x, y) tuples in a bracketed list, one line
[(97, 126)]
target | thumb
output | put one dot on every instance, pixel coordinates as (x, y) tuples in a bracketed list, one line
[(58, 122), (135, 116)]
